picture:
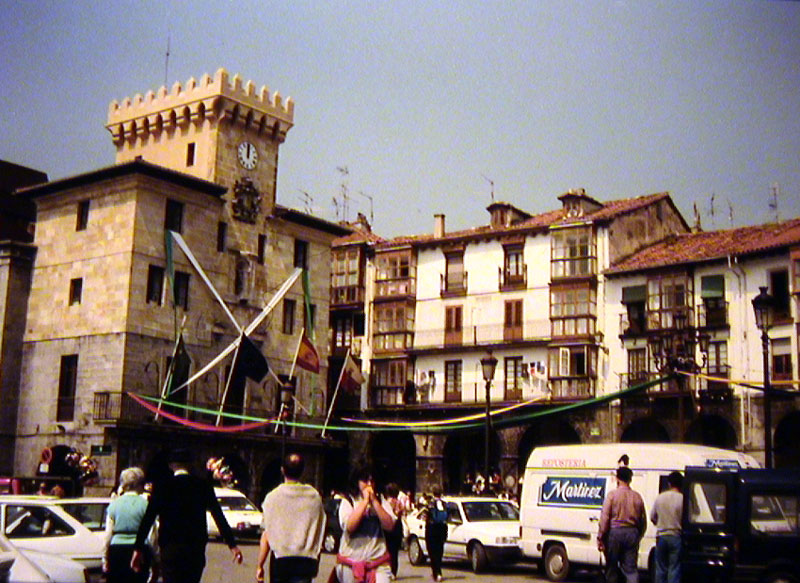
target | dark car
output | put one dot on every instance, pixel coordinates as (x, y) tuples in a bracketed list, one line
[(741, 525), (333, 530)]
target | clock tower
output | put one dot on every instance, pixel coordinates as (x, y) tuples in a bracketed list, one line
[(216, 128)]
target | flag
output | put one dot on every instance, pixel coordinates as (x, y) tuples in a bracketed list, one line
[(352, 379), (307, 356), (249, 362), (181, 363)]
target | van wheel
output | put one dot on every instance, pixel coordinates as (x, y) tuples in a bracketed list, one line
[(556, 563), (780, 577), (477, 557), (415, 555)]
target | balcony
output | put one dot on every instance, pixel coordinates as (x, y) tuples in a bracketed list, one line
[(347, 295), (716, 389), (509, 280), (112, 408), (453, 284), (393, 288), (573, 389), (629, 326), (483, 335)]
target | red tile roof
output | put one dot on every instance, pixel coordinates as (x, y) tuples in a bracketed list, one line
[(608, 211), (711, 245)]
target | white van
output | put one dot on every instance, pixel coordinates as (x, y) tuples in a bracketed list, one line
[(564, 487)]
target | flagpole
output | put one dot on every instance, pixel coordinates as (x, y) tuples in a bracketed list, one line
[(296, 353), (228, 382), (335, 392), (171, 368)]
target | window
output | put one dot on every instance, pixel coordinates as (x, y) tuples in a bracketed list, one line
[(513, 266), (34, 522), (67, 384), (393, 325), (572, 361), (779, 288), (182, 289), (512, 322), (300, 253), (262, 249), (513, 377), (572, 311), (796, 271), (781, 359), (452, 381), (342, 327), (190, 149), (637, 366), (455, 279), (222, 236), (75, 290), (173, 218), (712, 293), (395, 273), (453, 325), (708, 503), (668, 302), (83, 216), (390, 373), (345, 276), (573, 253), (775, 514), (155, 284), (288, 316), (718, 358), (634, 298)]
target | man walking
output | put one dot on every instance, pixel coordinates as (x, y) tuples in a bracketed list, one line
[(622, 525), (293, 528), (180, 502), (666, 515)]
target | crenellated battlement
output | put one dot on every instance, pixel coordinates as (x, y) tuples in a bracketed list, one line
[(214, 98)]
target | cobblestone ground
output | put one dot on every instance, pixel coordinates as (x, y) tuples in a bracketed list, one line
[(219, 569)]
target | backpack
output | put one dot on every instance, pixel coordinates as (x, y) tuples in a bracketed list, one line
[(438, 512)]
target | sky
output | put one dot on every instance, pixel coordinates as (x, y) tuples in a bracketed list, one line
[(433, 107)]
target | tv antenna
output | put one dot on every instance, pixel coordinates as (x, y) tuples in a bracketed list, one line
[(491, 184), (336, 207), (368, 197), (775, 191), (345, 172), (166, 63), (308, 200)]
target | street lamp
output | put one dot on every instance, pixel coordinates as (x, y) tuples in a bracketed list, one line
[(488, 365), (762, 306), (287, 391)]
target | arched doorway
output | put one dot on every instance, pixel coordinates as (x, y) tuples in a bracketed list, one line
[(645, 430), (787, 442), (547, 431), (464, 454), (712, 430), (394, 455)]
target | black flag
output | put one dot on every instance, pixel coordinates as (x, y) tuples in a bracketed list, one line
[(249, 362)]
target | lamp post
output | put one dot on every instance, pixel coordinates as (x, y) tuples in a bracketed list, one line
[(762, 306), (488, 365), (287, 390)]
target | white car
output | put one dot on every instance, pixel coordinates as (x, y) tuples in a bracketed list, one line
[(18, 566), (242, 515), (41, 524), (482, 530)]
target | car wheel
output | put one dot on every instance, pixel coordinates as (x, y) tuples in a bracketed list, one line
[(329, 543), (415, 554), (477, 558), (780, 577), (556, 563)]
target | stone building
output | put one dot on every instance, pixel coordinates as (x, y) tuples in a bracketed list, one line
[(104, 312)]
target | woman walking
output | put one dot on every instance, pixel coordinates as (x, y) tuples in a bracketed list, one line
[(122, 521), (363, 554)]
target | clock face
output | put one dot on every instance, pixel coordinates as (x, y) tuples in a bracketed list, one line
[(248, 155)]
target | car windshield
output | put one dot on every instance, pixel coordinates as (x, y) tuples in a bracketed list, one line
[(236, 503), (490, 510), (91, 514)]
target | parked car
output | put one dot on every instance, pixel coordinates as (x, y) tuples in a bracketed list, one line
[(333, 530), (42, 524), (19, 566), (481, 530), (242, 515), (90, 511)]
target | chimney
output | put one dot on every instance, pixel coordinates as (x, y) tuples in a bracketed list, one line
[(438, 226)]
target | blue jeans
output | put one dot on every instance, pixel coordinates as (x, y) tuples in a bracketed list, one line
[(622, 550), (668, 558)]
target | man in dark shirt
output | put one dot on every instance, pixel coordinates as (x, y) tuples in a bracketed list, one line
[(180, 502)]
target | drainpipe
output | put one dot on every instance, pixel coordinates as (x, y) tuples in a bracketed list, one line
[(745, 418)]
